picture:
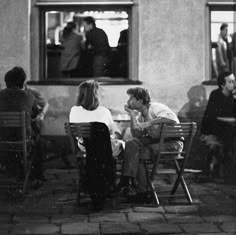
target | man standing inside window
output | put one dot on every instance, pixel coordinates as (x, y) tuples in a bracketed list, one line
[(223, 52), (96, 42)]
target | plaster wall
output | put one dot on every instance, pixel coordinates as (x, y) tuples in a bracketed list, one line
[(14, 39), (171, 55), (172, 48)]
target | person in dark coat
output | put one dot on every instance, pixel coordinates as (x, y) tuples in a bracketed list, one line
[(15, 99), (97, 43), (71, 53), (218, 135)]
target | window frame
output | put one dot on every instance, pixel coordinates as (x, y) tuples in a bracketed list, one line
[(130, 7), (214, 6)]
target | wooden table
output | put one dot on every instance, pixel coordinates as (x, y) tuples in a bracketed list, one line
[(123, 123)]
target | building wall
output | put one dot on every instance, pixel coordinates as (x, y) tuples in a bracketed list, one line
[(171, 59), (14, 39)]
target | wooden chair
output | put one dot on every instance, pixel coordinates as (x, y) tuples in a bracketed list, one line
[(15, 139), (184, 132), (100, 166)]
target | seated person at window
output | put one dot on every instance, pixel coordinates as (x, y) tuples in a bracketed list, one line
[(218, 135), (97, 43), (145, 131), (70, 55), (15, 98)]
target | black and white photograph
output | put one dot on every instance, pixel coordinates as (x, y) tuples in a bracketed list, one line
[(118, 117)]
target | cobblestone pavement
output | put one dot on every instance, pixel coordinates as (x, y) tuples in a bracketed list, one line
[(52, 210)]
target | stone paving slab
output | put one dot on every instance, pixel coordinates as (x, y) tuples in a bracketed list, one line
[(80, 228), (62, 219), (125, 209), (200, 228), (145, 217), (177, 218), (33, 229), (220, 218), (5, 228), (159, 228), (229, 227), (216, 234), (153, 209), (120, 228), (223, 208), (30, 219), (181, 209), (109, 217), (4, 219)]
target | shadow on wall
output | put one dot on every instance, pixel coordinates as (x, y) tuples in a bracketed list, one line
[(55, 141), (193, 110), (58, 113)]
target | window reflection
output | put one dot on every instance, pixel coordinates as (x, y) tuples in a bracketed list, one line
[(223, 42), (113, 23)]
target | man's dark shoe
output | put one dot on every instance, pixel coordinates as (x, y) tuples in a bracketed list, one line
[(36, 184), (142, 197), (128, 190), (125, 189), (120, 186)]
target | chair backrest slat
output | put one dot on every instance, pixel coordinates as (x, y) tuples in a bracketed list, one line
[(178, 130), (11, 119), (8, 122), (80, 129), (184, 131)]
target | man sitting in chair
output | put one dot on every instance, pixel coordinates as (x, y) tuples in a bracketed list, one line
[(218, 135), (146, 117), (15, 99)]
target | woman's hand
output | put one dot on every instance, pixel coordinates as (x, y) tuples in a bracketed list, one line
[(144, 125)]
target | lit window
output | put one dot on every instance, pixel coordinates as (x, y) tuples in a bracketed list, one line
[(223, 39), (78, 57)]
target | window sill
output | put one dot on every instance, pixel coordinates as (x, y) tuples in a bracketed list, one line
[(102, 81), (210, 83)]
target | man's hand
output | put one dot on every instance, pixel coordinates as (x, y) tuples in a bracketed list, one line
[(128, 110), (144, 125), (40, 117)]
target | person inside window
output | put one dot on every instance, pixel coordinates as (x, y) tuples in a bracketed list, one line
[(96, 41), (71, 52), (122, 50), (223, 52)]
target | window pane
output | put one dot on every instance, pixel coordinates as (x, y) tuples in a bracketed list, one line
[(104, 54), (223, 41)]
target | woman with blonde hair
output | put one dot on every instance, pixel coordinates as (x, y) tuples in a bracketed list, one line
[(88, 109)]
